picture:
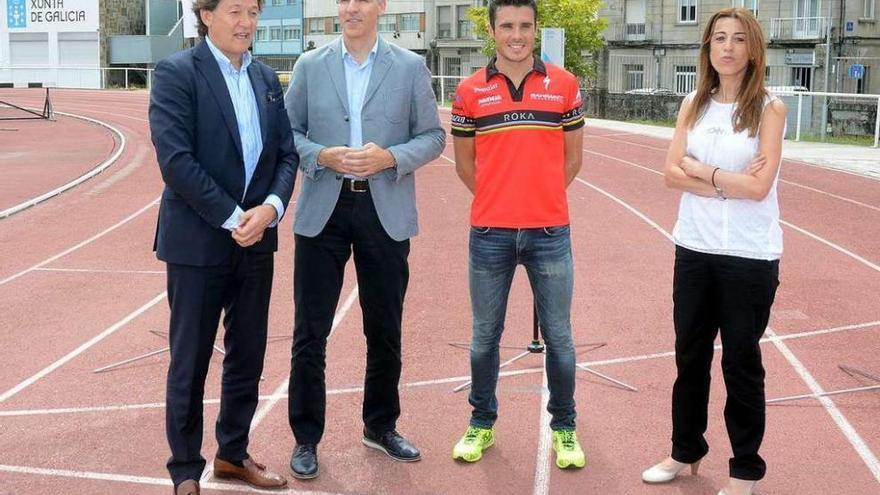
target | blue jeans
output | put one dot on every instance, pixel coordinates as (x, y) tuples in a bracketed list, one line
[(546, 255)]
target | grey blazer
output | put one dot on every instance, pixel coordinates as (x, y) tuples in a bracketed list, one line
[(399, 114)]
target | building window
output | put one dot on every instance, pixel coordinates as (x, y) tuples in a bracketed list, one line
[(868, 10), (747, 4), (444, 22), (685, 78), (278, 2), (388, 23), (802, 76), (453, 66), (316, 26), (337, 28), (862, 83), (275, 33), (687, 10), (464, 24), (261, 34), (292, 33), (410, 22), (634, 76)]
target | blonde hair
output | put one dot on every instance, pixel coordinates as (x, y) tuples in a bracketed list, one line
[(750, 99)]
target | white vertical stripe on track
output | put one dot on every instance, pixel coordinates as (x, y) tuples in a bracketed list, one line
[(279, 392), (807, 233), (627, 206), (830, 244), (79, 350), (840, 420), (79, 180), (795, 184), (542, 460), (81, 244)]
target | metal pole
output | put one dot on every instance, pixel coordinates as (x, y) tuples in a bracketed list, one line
[(877, 126), (797, 136), (126, 78), (824, 129), (442, 90)]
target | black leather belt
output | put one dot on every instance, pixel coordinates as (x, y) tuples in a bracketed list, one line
[(356, 185)]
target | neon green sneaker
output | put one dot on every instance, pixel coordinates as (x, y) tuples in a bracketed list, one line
[(471, 446), (568, 450)]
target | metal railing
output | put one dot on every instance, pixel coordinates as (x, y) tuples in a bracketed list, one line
[(797, 28), (624, 31), (78, 77), (853, 110)]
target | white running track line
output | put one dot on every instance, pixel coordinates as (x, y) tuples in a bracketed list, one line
[(145, 480), (81, 244), (426, 383), (843, 424), (542, 459), (832, 245), (795, 184), (851, 434), (626, 206), (807, 233), (79, 180), (79, 350), (96, 270), (279, 392)]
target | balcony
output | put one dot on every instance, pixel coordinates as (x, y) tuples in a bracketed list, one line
[(797, 28), (629, 32)]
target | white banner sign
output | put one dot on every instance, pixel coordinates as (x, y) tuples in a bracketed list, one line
[(190, 23), (44, 16), (553, 46)]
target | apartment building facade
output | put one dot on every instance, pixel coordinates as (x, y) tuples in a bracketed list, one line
[(405, 23), (279, 37), (457, 50), (654, 43)]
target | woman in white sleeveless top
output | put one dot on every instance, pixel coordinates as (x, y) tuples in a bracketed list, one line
[(725, 157)]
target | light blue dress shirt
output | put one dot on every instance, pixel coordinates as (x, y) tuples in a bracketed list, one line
[(247, 115), (357, 78)]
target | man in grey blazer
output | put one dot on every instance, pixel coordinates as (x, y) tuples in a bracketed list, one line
[(364, 118)]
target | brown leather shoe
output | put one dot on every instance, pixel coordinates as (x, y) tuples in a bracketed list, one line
[(188, 487), (253, 473)]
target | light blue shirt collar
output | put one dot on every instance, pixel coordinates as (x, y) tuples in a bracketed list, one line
[(370, 57), (225, 65)]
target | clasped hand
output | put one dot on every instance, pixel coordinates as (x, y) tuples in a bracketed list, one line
[(361, 162), (252, 224)]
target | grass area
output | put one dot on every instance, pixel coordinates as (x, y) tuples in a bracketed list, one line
[(843, 139), (661, 123)]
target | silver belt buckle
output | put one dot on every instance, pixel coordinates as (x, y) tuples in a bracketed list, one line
[(357, 185)]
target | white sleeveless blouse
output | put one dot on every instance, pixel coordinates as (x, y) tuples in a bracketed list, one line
[(736, 227)]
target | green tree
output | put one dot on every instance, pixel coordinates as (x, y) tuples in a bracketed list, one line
[(583, 29)]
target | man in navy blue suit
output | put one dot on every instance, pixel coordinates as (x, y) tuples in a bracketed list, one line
[(227, 157)]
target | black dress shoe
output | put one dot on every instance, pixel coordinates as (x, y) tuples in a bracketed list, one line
[(304, 462), (390, 442)]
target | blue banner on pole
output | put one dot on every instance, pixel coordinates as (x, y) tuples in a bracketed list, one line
[(16, 14)]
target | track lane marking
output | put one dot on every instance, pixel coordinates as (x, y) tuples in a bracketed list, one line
[(82, 348), (81, 244)]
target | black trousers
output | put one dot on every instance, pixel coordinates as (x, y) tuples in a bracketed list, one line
[(382, 275), (712, 292), (196, 296)]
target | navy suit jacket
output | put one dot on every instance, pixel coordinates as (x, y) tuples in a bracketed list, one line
[(198, 146)]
